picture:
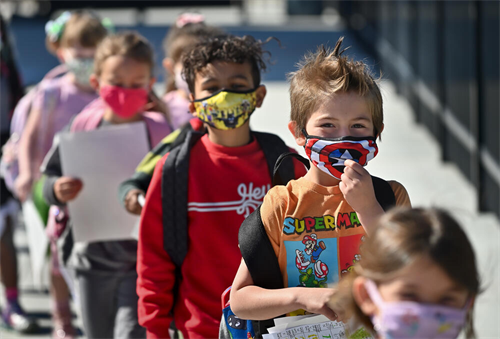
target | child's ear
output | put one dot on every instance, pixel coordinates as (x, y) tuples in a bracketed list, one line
[(94, 82), (362, 298), (168, 64), (300, 139), (380, 132), (60, 55), (260, 92), (191, 104)]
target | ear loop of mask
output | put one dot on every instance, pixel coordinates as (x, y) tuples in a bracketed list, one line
[(374, 294)]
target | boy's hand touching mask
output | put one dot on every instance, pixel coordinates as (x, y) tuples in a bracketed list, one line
[(67, 188), (357, 188)]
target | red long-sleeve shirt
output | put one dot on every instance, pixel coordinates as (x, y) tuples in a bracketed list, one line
[(225, 185)]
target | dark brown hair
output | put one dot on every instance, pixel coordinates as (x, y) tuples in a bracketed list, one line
[(180, 39), (227, 48), (325, 73), (403, 235), (128, 44), (83, 28)]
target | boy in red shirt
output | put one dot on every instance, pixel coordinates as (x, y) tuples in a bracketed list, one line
[(227, 178)]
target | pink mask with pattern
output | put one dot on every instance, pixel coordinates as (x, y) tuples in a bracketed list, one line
[(408, 319)]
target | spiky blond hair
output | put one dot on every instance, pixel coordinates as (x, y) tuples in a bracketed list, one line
[(323, 74)]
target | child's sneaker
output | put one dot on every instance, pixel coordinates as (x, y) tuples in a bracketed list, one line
[(14, 318)]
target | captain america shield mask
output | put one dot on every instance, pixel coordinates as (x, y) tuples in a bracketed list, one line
[(329, 154)]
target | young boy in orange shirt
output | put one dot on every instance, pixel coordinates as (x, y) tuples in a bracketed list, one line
[(316, 223)]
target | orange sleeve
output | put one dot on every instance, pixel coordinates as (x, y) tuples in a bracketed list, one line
[(402, 198), (272, 213)]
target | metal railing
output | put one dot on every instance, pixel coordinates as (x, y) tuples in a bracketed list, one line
[(444, 58)]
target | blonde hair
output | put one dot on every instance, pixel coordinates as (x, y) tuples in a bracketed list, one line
[(403, 235), (128, 44), (83, 28), (325, 73)]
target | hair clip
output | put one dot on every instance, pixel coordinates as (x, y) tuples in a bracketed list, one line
[(189, 18), (55, 28), (108, 24)]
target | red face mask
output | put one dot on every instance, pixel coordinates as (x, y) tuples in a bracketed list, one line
[(125, 102)]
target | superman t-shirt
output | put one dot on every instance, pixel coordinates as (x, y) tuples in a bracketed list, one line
[(315, 234)]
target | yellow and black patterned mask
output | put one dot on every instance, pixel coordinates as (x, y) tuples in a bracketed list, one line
[(225, 109)]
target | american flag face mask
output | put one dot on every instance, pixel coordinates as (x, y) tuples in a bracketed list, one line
[(329, 154)]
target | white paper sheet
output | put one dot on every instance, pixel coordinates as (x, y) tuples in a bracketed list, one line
[(311, 327), (317, 326), (287, 320), (102, 159), (37, 241), (141, 200), (135, 231)]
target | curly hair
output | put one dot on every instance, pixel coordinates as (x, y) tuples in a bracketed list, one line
[(227, 48)]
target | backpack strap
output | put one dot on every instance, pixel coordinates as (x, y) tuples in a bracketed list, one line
[(174, 196), (277, 179), (261, 260), (273, 147), (90, 117), (157, 127), (384, 193), (256, 249)]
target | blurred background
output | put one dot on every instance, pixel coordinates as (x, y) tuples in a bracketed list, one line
[(443, 56), (439, 61)]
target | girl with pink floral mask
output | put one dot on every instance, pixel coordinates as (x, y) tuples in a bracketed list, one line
[(417, 278)]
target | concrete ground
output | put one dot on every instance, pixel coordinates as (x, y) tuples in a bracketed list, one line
[(407, 154)]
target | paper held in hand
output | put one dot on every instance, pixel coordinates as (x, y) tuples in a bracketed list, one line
[(314, 327), (102, 159)]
